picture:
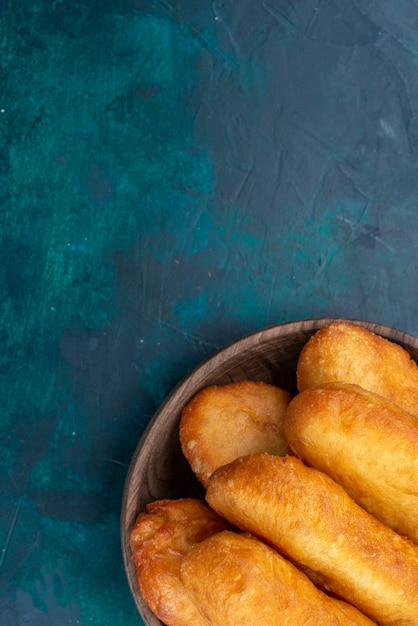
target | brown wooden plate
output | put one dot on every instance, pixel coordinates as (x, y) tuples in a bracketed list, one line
[(158, 469)]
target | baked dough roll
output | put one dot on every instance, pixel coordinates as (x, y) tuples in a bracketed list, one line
[(311, 520), (223, 422), (236, 579), (364, 442), (159, 539), (344, 352)]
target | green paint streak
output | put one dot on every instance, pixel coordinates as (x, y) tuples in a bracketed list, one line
[(93, 103)]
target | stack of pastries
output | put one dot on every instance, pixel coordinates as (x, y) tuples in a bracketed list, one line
[(311, 508)]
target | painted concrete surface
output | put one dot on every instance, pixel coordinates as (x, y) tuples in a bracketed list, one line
[(174, 175)]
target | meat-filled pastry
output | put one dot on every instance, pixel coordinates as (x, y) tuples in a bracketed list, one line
[(364, 442), (345, 352), (223, 422), (236, 579), (159, 539), (312, 520)]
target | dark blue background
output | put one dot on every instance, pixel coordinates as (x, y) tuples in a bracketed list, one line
[(174, 175)]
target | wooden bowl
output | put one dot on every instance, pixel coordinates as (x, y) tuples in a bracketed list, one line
[(158, 468)]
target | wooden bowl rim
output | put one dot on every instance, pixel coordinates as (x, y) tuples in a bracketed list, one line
[(249, 340)]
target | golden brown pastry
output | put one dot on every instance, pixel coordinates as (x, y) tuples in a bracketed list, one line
[(224, 422), (159, 539), (236, 579), (311, 519), (345, 352), (364, 442)]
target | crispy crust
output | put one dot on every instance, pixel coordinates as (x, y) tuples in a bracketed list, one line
[(343, 352), (366, 443), (224, 422), (159, 539), (237, 579), (312, 520)]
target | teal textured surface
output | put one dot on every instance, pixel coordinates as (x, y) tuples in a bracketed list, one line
[(174, 175)]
